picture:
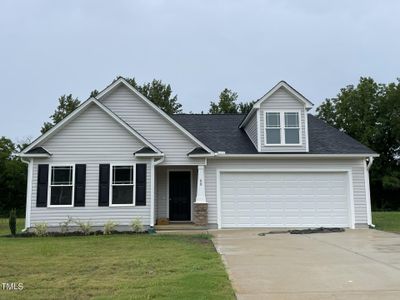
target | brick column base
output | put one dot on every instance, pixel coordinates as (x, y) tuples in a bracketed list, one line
[(201, 214)]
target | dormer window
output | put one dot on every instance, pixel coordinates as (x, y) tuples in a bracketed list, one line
[(282, 128)]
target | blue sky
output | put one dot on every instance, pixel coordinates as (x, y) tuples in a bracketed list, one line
[(50, 48)]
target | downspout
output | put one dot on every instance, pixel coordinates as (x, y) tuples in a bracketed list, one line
[(28, 194), (370, 162), (367, 189), (152, 170)]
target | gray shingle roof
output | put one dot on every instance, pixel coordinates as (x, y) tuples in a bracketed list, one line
[(37, 150), (222, 133), (198, 150), (145, 150)]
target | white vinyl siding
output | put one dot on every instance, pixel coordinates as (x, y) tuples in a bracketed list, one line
[(283, 100), (93, 138), (251, 129), (285, 199), (355, 165), (150, 124)]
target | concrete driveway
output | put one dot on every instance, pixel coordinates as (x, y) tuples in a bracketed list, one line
[(356, 264)]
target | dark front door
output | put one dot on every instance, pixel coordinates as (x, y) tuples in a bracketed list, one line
[(179, 196)]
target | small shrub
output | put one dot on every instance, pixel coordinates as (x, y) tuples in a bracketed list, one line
[(85, 227), (64, 226), (41, 229), (12, 222), (137, 225), (109, 227)]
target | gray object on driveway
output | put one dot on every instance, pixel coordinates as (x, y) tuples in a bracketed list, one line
[(356, 264)]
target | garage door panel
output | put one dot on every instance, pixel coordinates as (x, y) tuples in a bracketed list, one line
[(289, 199)]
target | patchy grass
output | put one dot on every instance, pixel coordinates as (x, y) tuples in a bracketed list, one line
[(386, 220), (115, 266), (5, 229)]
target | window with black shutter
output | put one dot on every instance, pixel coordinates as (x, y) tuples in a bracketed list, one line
[(122, 185), (61, 185)]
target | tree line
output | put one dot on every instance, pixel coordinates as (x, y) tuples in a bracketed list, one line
[(369, 112)]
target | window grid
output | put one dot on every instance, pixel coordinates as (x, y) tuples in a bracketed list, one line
[(53, 184), (284, 124), (122, 183)]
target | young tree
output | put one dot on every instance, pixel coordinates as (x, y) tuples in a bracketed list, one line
[(66, 105), (226, 103), (370, 113)]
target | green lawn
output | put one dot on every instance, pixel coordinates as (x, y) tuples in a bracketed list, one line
[(116, 266), (386, 220)]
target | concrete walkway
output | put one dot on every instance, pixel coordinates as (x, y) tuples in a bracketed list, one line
[(356, 264)]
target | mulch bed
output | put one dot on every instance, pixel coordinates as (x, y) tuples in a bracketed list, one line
[(73, 233), (304, 231)]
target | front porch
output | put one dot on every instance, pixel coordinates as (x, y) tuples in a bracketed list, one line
[(179, 198)]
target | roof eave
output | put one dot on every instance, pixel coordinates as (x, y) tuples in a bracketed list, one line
[(201, 155), (290, 155), (32, 155), (148, 154), (248, 116)]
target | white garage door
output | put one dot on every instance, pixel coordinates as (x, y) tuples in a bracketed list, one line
[(293, 199)]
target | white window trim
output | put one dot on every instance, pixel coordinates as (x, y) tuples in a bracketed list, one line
[(49, 185), (134, 184), (282, 127)]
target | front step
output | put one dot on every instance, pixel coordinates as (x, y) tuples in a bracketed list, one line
[(179, 227)]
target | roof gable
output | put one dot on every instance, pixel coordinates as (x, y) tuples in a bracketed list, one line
[(77, 112), (283, 84), (287, 87), (122, 81)]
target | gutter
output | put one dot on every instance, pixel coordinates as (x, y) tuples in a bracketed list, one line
[(370, 162), (222, 154)]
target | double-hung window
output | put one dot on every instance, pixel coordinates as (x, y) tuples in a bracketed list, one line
[(61, 185), (273, 129), (122, 185), (292, 128), (282, 128)]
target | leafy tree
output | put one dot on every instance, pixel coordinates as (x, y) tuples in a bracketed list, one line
[(12, 178), (370, 113), (94, 93), (227, 104), (245, 107), (66, 105), (161, 95)]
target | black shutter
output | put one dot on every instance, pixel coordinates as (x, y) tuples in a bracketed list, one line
[(42, 185), (104, 184), (141, 184), (80, 185)]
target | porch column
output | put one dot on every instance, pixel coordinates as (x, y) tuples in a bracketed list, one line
[(201, 190), (201, 205)]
